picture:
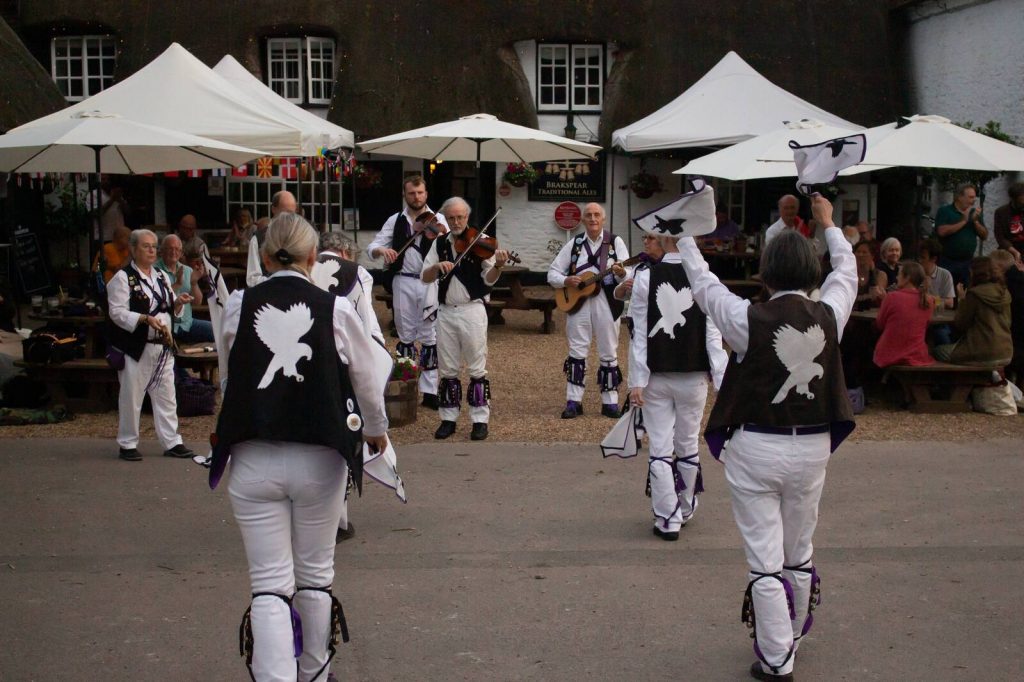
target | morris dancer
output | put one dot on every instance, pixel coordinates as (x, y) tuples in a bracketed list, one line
[(592, 251), (782, 410), (462, 322), (410, 293), (673, 349), (298, 358)]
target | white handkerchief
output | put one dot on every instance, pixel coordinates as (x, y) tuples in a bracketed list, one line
[(383, 468), (625, 437), (820, 163)]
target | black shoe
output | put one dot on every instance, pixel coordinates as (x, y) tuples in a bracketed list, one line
[(758, 673), (446, 429), (430, 401), (572, 410), (130, 455), (610, 411), (345, 534), (479, 431), (179, 451), (666, 535)]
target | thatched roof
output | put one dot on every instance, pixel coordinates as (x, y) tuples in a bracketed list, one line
[(26, 90), (409, 63)]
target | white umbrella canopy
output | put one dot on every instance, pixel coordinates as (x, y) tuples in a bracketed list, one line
[(91, 142), (769, 155), (316, 132), (481, 137), (935, 142)]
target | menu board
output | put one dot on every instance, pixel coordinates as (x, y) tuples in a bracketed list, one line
[(28, 261)]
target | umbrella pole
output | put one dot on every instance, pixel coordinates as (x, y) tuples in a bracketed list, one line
[(327, 196), (298, 199), (94, 230), (341, 197), (629, 212)]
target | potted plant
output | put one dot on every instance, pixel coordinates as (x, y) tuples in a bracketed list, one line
[(519, 174), (645, 184), (365, 177), (401, 395)]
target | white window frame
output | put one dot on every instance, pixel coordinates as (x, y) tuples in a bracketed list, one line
[(255, 193), (324, 47), (92, 67), (732, 193), (302, 53), (570, 86)]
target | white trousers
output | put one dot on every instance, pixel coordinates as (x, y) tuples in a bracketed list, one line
[(133, 379), (462, 338), (593, 321), (409, 299), (776, 482), (288, 499), (673, 407)]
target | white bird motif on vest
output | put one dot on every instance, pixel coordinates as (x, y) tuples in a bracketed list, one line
[(280, 331), (673, 305), (797, 351), (323, 273)]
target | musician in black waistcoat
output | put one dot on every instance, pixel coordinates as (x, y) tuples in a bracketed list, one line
[(673, 351), (141, 302), (782, 410), (593, 251), (411, 296), (462, 322), (300, 399)]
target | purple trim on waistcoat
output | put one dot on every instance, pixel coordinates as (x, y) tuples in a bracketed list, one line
[(449, 392), (575, 370), (479, 392)]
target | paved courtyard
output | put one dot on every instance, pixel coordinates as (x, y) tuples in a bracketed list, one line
[(515, 562)]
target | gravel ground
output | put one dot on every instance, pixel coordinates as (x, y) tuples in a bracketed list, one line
[(528, 394)]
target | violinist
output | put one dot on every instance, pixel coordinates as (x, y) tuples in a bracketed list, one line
[(462, 317), (406, 229)]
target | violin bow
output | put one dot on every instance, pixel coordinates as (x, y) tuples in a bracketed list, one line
[(469, 248), (412, 239)]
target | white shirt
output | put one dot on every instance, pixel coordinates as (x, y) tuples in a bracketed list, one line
[(413, 262), (352, 344), (359, 297), (639, 372), (118, 294), (729, 311), (559, 268), (457, 292)]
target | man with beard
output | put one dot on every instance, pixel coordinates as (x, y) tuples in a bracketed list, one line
[(410, 293), (462, 321)]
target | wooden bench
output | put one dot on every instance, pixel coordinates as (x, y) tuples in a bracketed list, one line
[(202, 361), (544, 305), (924, 387), (87, 385)]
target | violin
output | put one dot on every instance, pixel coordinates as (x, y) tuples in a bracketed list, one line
[(478, 243), (427, 225)]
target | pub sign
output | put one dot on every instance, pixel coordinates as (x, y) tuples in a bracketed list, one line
[(581, 180)]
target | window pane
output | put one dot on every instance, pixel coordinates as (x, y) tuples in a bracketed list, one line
[(75, 88)]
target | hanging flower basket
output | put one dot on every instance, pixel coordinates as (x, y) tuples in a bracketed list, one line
[(644, 185), (519, 174), (364, 177)]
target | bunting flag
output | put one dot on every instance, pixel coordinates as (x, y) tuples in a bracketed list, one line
[(265, 167), (318, 163), (195, 173), (819, 164), (171, 174), (240, 172), (219, 172), (289, 169), (304, 170), (691, 215)]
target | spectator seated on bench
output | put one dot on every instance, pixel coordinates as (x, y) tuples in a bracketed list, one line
[(903, 320), (1013, 272), (982, 319)]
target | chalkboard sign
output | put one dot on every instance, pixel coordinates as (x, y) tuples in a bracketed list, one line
[(29, 262)]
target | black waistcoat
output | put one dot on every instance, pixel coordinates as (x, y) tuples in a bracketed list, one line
[(608, 285), (263, 401), (688, 351), (763, 390), (140, 300), (399, 236), (468, 271), (346, 276)]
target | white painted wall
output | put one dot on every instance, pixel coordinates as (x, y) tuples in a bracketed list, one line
[(965, 59)]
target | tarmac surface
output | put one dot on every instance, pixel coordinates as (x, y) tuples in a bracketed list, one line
[(515, 562)]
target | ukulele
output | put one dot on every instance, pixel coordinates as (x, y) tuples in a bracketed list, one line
[(571, 299)]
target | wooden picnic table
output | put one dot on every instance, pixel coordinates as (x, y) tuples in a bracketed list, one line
[(745, 259), (940, 316), (91, 326), (200, 357), (231, 256)]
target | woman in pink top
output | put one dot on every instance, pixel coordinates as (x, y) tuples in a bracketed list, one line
[(903, 320)]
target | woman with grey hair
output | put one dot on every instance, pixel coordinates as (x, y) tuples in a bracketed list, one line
[(300, 400), (141, 302), (782, 410), (891, 252)]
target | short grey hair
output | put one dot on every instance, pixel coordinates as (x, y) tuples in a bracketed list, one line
[(133, 240), (451, 203), (171, 237), (335, 241), (964, 186), (890, 241), (788, 263)]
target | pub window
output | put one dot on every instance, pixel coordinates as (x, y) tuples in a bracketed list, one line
[(567, 71), (82, 66), (301, 69)]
